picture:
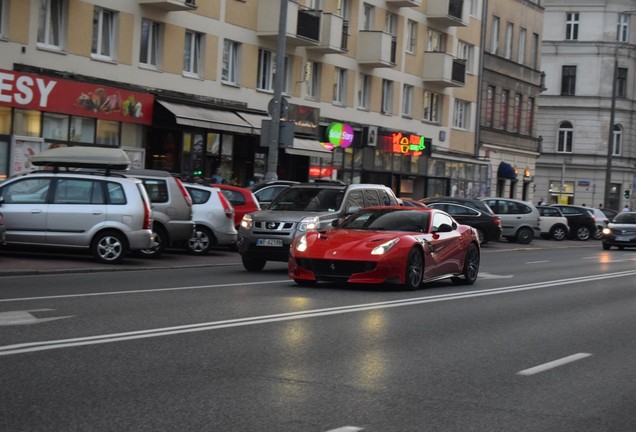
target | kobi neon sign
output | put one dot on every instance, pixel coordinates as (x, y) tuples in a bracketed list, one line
[(412, 145)]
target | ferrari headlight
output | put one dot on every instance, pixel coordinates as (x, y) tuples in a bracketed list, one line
[(301, 243), (246, 222), (309, 224), (384, 247)]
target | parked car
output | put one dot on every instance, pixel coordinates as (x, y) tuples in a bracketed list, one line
[(409, 202), (388, 245), (487, 225), (468, 202), (3, 230), (242, 199), (171, 209), (519, 219), (266, 191), (582, 224), (105, 213), (553, 224), (620, 232), (601, 222), (213, 216), (609, 213), (267, 234)]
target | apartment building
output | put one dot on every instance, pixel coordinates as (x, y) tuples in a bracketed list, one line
[(512, 84), (373, 91), (586, 115)]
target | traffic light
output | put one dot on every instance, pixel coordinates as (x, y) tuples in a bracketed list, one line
[(626, 194)]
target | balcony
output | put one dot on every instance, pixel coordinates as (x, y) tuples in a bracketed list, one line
[(447, 13), (376, 48), (444, 70), (404, 3), (170, 5), (302, 27), (333, 34)]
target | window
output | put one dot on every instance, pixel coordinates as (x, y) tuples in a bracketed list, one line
[(387, 96), (530, 122), (466, 52), (494, 35), (568, 80), (411, 41), (340, 86), (618, 139), (391, 23), (3, 18), (192, 53), (82, 130), (107, 133), (521, 53), (265, 79), (364, 92), (149, 51), (474, 8), (344, 9), (103, 33), (490, 106), (503, 116), (621, 82), (516, 118), (230, 72), (622, 30), (564, 140), (407, 100), (286, 75), (508, 46), (51, 23), (55, 126), (534, 60), (571, 26), (435, 41), (460, 114), (367, 22), (432, 102), (313, 83)]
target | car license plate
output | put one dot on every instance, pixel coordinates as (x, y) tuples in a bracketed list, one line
[(622, 238), (269, 242)]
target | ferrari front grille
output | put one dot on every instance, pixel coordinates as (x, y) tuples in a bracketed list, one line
[(335, 269)]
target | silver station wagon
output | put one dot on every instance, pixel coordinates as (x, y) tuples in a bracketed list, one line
[(105, 213)]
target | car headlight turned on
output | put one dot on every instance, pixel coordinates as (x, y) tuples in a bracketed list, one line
[(607, 231), (246, 222), (384, 247), (301, 243), (310, 223)]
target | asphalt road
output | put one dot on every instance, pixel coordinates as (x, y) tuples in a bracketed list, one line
[(544, 341)]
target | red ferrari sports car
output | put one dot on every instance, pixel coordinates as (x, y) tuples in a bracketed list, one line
[(400, 245)]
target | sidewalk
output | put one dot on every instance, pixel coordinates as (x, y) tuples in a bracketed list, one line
[(21, 261)]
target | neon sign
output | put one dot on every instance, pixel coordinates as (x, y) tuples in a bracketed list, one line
[(412, 145), (338, 135)]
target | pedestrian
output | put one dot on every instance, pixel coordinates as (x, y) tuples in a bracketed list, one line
[(626, 208), (217, 178), (541, 201)]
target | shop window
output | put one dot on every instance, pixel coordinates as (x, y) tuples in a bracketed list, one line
[(55, 126), (107, 133), (5, 120), (27, 123), (82, 130)]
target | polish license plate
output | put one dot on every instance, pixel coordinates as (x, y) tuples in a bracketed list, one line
[(269, 242)]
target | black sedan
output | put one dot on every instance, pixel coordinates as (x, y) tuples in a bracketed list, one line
[(621, 231), (487, 225)]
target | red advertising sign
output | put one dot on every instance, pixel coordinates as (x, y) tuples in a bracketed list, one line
[(43, 93)]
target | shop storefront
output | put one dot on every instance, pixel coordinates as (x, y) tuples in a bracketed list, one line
[(39, 112)]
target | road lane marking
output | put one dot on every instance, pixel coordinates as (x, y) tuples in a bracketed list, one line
[(288, 316), (25, 317), (346, 429), (553, 364), (538, 262)]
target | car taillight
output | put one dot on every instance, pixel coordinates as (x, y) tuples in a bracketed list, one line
[(497, 221), (227, 207), (184, 192), (147, 211)]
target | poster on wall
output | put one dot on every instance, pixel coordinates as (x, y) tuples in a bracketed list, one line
[(22, 148), (137, 156)]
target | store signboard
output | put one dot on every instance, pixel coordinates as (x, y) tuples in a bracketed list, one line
[(44, 93), (338, 135), (406, 144)]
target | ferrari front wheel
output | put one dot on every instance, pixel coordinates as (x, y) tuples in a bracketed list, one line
[(414, 269), (471, 267)]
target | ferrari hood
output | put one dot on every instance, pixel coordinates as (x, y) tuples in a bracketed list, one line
[(347, 242)]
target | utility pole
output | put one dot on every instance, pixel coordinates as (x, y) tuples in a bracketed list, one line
[(275, 111)]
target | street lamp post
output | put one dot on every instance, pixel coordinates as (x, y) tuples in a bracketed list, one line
[(610, 135)]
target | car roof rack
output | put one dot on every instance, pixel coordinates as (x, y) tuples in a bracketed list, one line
[(82, 157)]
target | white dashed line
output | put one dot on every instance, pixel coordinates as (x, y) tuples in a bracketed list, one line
[(553, 364)]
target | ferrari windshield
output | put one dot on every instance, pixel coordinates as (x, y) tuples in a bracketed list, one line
[(308, 199), (388, 220)]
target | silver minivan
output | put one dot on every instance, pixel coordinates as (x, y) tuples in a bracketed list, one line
[(108, 215), (520, 220)]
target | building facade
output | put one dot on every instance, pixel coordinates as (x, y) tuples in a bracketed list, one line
[(185, 85), (510, 90), (585, 44)]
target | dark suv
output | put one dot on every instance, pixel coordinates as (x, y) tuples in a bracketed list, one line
[(266, 235), (582, 224)]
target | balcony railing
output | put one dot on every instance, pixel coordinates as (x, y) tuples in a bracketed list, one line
[(448, 13), (302, 26), (444, 70), (376, 48), (170, 5)]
